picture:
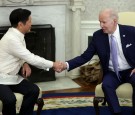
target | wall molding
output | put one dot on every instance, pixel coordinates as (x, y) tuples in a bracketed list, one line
[(50, 2), (32, 2), (87, 29), (90, 24)]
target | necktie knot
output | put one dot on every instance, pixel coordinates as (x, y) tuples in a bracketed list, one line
[(112, 37)]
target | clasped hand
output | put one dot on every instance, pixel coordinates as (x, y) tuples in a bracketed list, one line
[(59, 66)]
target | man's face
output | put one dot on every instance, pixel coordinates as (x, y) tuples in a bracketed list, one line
[(27, 26), (108, 25)]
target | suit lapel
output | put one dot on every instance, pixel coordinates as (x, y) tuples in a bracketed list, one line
[(106, 44), (106, 49), (124, 39), (106, 41)]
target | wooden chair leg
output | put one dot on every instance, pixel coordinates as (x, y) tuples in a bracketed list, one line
[(40, 104), (95, 103), (104, 102)]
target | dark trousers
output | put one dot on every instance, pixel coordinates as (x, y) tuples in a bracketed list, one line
[(28, 89), (110, 84)]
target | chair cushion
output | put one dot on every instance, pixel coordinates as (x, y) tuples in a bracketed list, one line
[(19, 98), (123, 91)]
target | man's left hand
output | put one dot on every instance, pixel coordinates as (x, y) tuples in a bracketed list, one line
[(132, 72), (26, 70)]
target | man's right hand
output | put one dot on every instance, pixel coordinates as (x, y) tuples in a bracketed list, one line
[(59, 66)]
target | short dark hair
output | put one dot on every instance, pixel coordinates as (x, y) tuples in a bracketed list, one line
[(18, 15)]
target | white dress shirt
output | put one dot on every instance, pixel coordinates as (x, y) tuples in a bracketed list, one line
[(13, 54), (122, 62)]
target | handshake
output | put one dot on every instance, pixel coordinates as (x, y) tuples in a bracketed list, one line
[(59, 66)]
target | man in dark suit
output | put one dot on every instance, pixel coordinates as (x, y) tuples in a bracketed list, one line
[(124, 38)]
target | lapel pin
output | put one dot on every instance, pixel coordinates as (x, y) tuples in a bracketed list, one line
[(123, 35)]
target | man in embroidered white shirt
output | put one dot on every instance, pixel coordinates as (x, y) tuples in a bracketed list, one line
[(13, 56)]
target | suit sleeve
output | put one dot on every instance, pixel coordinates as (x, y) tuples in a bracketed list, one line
[(84, 57)]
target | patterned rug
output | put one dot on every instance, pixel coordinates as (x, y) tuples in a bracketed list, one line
[(81, 100), (67, 100)]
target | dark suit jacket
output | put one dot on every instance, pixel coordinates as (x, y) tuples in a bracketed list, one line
[(100, 45)]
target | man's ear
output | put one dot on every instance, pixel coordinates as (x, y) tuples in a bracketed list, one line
[(115, 21), (20, 24)]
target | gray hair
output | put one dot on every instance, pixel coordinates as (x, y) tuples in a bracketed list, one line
[(113, 13)]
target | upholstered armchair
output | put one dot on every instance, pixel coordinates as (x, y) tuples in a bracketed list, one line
[(125, 90), (19, 98)]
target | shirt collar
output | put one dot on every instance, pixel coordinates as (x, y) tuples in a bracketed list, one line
[(17, 32), (116, 32)]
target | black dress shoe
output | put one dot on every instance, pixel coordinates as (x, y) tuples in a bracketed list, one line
[(118, 113)]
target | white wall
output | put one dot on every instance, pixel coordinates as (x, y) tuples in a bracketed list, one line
[(92, 7)]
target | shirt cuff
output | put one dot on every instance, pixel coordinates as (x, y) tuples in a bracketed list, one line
[(67, 65)]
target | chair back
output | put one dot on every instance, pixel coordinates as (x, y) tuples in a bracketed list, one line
[(127, 18)]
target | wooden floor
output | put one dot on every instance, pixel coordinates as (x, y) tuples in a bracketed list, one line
[(85, 87)]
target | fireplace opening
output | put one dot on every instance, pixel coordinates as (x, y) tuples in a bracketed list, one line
[(89, 39), (40, 41)]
